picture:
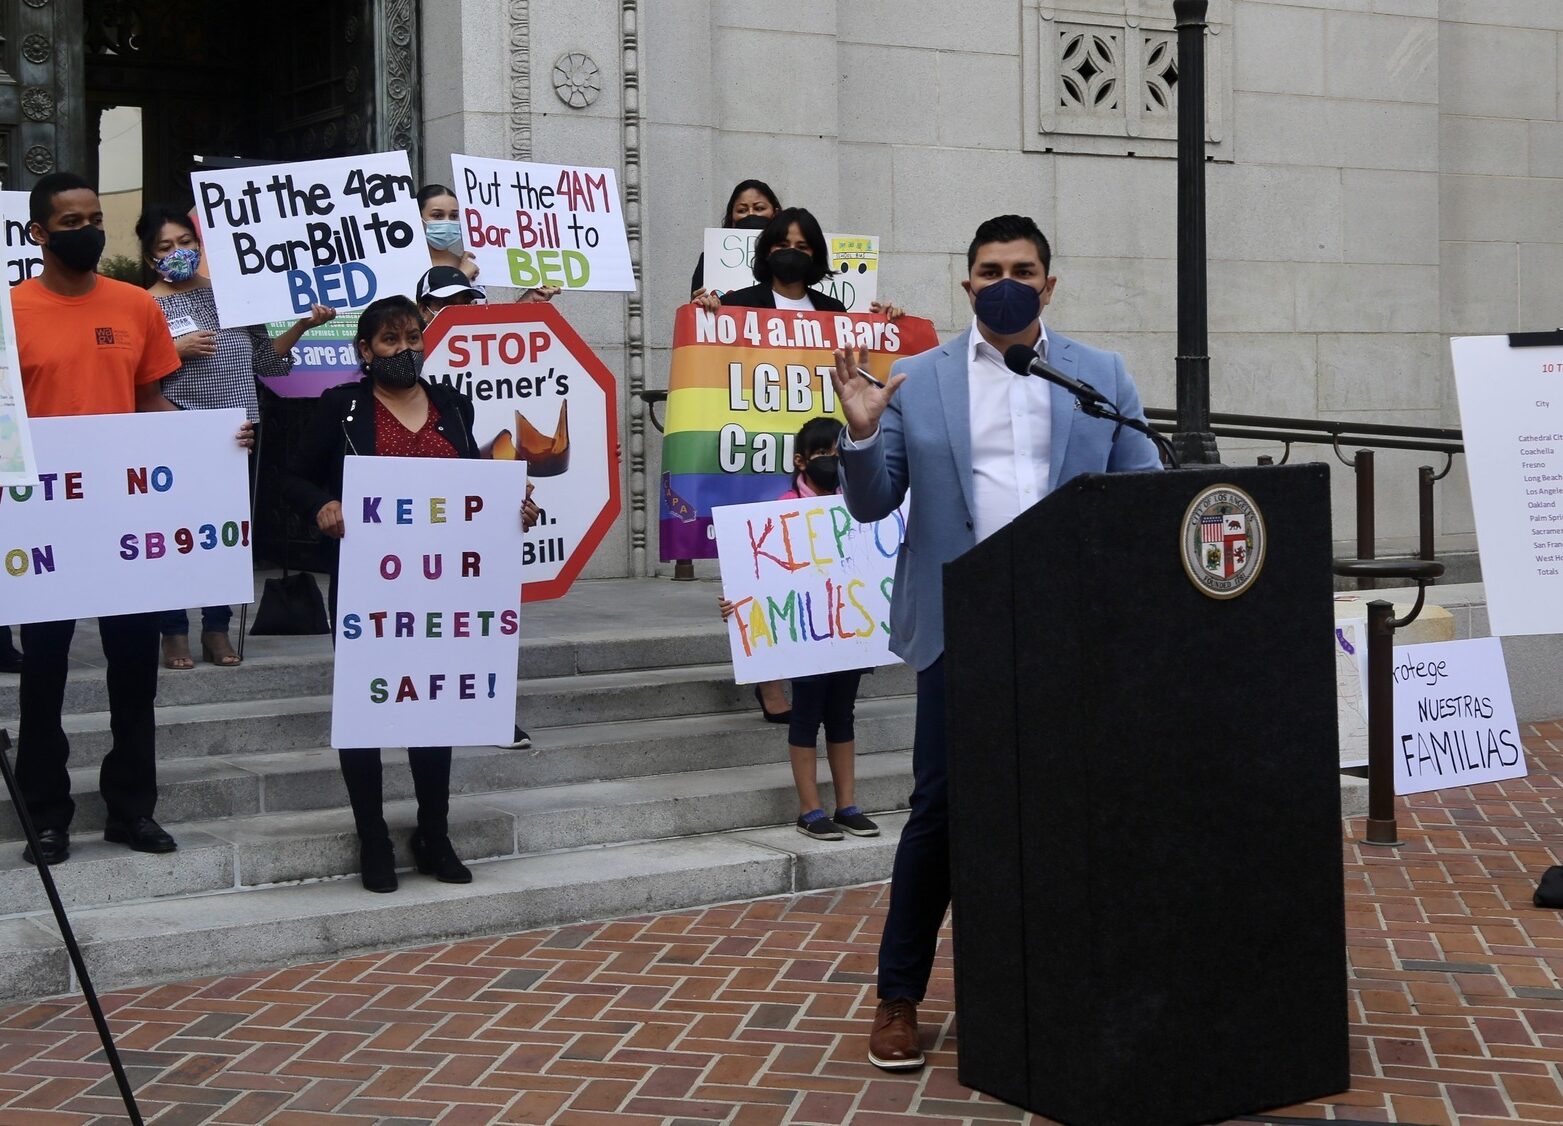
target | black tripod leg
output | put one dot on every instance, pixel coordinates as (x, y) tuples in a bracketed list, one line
[(69, 935)]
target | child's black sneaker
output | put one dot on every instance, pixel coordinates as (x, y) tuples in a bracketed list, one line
[(815, 824), (852, 820)]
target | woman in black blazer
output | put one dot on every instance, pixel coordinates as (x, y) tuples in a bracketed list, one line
[(789, 256), (392, 411)]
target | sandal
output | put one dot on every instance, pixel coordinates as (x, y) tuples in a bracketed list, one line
[(176, 652), (216, 649)]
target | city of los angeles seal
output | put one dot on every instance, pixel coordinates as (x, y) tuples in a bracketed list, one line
[(1223, 541)]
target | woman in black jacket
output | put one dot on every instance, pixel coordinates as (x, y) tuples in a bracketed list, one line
[(789, 256), (392, 411)]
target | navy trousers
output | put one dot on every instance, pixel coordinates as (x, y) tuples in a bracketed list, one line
[(920, 881)]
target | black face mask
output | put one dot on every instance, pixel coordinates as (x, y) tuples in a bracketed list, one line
[(824, 473), (753, 223), (789, 266), (77, 249), (398, 372)]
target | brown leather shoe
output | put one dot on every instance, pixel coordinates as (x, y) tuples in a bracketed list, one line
[(893, 1045)]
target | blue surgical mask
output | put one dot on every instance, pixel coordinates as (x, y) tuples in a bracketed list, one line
[(179, 264), (1007, 306), (443, 234)]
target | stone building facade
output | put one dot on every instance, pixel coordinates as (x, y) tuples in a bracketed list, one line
[(1383, 174)]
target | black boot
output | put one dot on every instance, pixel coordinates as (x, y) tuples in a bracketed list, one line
[(377, 863), (436, 856), (376, 856)]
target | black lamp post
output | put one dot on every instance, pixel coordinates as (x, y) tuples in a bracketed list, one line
[(1195, 443)]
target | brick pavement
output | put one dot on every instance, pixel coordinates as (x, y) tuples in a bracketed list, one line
[(752, 1014)]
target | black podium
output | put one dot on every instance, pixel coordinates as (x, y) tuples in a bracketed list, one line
[(1145, 806)]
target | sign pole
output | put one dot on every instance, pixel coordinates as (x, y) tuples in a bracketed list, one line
[(35, 851)]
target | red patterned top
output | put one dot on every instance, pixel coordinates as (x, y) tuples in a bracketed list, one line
[(392, 439)]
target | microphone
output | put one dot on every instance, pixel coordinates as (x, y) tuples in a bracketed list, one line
[(1024, 361)]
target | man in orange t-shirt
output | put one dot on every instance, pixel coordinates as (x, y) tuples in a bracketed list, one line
[(88, 345)]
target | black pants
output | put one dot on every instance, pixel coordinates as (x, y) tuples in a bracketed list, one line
[(6, 644), (430, 782), (920, 880), (824, 700), (128, 777)]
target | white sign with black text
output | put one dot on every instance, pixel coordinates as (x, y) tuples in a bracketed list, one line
[(1454, 716)]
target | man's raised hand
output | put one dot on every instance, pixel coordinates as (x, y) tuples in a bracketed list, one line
[(862, 400)]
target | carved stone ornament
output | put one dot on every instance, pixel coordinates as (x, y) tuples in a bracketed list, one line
[(38, 159), (577, 80), (37, 103), (520, 80), (36, 48)]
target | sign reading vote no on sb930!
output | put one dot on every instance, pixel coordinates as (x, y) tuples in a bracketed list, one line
[(543, 224), (282, 237), (428, 604), (131, 512)]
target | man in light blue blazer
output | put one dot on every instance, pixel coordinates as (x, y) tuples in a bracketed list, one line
[(975, 445)]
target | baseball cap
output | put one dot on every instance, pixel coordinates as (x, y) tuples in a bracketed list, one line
[(444, 282)]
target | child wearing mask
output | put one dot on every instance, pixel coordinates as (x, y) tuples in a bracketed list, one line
[(825, 699)]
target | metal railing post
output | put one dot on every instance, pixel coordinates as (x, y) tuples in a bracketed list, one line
[(1424, 483), (1362, 465), (1382, 829)]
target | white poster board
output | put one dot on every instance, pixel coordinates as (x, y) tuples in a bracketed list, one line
[(132, 512), (1511, 415), (280, 238), (428, 602), (854, 265), (1454, 716), (18, 459), (810, 584), (1351, 690), (543, 224), (23, 257)]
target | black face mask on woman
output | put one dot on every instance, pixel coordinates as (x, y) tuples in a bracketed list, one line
[(398, 372), (78, 249), (789, 266)]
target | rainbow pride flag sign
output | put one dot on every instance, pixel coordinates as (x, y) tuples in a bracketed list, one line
[(742, 382)]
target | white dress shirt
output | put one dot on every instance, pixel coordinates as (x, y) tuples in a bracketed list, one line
[(1011, 436)]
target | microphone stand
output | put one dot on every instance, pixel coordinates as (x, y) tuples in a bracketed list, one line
[(1099, 407)]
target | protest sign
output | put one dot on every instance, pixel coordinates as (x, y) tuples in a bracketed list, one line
[(543, 224), (324, 357), (809, 584), (742, 382), (854, 265), (428, 598), (1513, 433), (1351, 691), (131, 512), (1454, 716), (18, 464), (23, 258), (280, 238), (540, 395)]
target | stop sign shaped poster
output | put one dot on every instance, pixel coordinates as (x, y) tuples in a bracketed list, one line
[(543, 397)]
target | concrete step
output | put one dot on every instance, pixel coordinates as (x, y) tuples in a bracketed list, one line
[(273, 848), (243, 784), (301, 722), (276, 668), (230, 932)]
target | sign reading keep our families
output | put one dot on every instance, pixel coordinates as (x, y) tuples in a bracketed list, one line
[(130, 513), (428, 606), (810, 586), (742, 382), (543, 224), (854, 265), (1454, 716), (280, 238)]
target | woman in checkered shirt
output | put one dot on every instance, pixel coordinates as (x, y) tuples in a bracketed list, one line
[(219, 369)]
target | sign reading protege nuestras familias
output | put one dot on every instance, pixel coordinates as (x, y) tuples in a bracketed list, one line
[(530, 225), (280, 238), (428, 603), (1454, 716), (130, 513), (810, 586)]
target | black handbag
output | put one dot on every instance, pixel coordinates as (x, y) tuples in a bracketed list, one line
[(291, 605), (1549, 893)]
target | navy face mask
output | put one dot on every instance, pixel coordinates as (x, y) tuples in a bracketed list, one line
[(1008, 306)]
